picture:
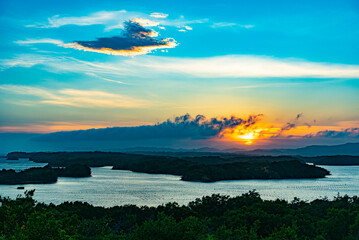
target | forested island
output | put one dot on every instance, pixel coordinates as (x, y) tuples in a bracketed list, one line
[(194, 171), (199, 168), (42, 175), (216, 217)]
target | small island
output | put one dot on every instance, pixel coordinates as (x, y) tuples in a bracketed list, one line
[(12, 158), (74, 170), (42, 175)]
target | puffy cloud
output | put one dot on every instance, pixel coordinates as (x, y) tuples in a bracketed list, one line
[(135, 40), (346, 133), (185, 29), (145, 22), (181, 127)]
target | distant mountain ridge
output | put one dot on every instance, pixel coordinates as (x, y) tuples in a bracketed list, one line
[(164, 149), (314, 150), (309, 151), (29, 142)]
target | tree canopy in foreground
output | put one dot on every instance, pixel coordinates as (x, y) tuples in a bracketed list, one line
[(216, 217)]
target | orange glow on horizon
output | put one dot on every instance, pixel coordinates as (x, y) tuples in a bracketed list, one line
[(252, 133), (260, 132), (51, 127)]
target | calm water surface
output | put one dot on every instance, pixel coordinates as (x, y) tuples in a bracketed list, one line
[(109, 187)]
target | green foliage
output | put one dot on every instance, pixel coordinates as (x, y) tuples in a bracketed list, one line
[(215, 217), (166, 227), (201, 168)]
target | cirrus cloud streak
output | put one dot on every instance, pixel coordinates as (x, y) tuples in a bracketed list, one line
[(73, 97), (115, 19), (234, 66), (247, 66)]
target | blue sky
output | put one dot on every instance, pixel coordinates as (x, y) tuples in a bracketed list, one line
[(276, 58)]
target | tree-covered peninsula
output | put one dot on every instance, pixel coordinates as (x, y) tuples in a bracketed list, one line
[(42, 175)]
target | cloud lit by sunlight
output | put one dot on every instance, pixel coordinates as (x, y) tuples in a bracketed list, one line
[(145, 22), (251, 134), (137, 50)]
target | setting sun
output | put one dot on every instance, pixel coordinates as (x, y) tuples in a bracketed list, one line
[(250, 134), (245, 135), (248, 138)]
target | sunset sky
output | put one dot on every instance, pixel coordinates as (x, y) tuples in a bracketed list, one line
[(288, 71)]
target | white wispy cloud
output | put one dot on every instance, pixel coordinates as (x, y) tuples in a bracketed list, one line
[(62, 64), (233, 66), (284, 84), (159, 15), (114, 20), (75, 97), (107, 18), (105, 79), (231, 24), (242, 66), (223, 24), (246, 26), (39, 41)]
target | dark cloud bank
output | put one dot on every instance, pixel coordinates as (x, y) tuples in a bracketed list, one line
[(186, 127), (181, 132), (182, 127), (346, 133), (135, 40)]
